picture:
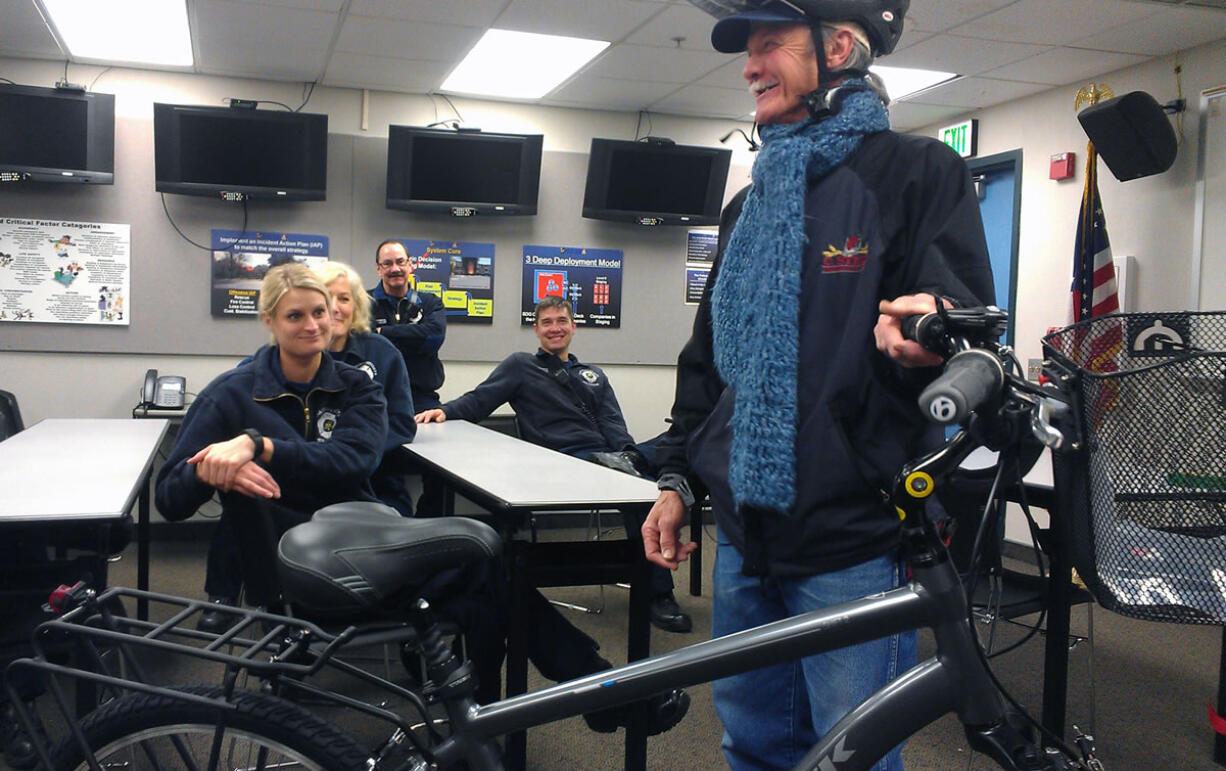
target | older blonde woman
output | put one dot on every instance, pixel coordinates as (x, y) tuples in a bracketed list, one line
[(354, 344)]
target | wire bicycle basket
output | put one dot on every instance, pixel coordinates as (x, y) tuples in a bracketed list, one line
[(1148, 498)]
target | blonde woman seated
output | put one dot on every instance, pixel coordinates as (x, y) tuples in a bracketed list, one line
[(291, 427)]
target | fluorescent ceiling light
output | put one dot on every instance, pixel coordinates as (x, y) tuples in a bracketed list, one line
[(903, 81), (520, 65), (136, 31)]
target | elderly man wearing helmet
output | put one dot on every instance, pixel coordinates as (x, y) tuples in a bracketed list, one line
[(796, 394)]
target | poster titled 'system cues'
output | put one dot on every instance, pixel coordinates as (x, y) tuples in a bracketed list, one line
[(590, 279)]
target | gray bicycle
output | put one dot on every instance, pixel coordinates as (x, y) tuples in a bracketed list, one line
[(139, 724)]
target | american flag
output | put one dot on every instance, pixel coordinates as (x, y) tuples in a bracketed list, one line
[(1093, 291)]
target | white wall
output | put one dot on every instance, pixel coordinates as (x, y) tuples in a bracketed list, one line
[(106, 385), (1150, 219)]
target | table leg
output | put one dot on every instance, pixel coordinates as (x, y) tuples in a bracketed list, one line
[(142, 548), (1219, 741), (638, 646), (516, 751), (696, 555)]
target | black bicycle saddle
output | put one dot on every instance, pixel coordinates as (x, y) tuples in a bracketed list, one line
[(364, 556)]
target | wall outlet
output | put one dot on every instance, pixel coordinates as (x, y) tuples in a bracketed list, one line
[(1034, 367)]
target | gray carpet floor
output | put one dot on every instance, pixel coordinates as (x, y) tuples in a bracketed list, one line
[(1143, 689)]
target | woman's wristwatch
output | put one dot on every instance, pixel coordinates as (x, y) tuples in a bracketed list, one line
[(258, 438)]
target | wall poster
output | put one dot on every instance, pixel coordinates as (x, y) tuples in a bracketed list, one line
[(60, 272), (241, 258), (591, 279), (461, 273)]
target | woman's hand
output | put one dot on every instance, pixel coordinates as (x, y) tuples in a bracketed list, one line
[(430, 416), (255, 482), (218, 463)]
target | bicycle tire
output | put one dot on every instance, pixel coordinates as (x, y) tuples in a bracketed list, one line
[(264, 731)]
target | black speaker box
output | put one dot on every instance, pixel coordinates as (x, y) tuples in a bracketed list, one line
[(1132, 134)]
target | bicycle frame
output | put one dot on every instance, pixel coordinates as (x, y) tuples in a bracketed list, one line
[(956, 679)]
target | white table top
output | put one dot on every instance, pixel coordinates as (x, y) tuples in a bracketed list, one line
[(79, 468), (521, 474)]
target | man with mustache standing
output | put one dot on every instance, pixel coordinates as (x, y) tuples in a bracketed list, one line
[(414, 321)]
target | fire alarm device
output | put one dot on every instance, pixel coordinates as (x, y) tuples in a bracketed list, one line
[(1062, 165)]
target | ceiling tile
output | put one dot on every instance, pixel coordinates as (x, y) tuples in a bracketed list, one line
[(609, 93), (471, 13), (963, 55), (1052, 22), (706, 101), (23, 33), (664, 65), (728, 76), (970, 93), (1064, 65), (1163, 33), (608, 20), (683, 21), (905, 116), (940, 15), (406, 40), (332, 6), (385, 72)]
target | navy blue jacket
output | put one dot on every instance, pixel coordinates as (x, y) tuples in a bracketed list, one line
[(417, 325), (545, 408), (909, 200), (324, 446), (377, 357)]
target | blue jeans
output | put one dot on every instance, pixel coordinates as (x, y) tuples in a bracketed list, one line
[(773, 715)]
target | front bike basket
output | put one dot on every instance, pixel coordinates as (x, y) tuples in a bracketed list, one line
[(1148, 503)]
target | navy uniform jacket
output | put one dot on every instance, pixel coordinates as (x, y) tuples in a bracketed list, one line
[(899, 217), (379, 359), (417, 325), (546, 409), (326, 444)]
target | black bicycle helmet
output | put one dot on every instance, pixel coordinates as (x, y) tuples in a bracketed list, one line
[(881, 19)]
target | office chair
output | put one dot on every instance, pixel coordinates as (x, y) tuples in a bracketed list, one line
[(10, 416)]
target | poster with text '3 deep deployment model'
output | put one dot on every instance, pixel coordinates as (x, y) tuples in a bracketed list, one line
[(590, 279)]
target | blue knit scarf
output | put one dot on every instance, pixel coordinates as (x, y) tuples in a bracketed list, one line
[(756, 300)]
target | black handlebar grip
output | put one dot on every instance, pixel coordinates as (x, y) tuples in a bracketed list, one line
[(970, 377), (927, 329)]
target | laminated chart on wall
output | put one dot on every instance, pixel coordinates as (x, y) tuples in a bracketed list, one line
[(589, 279), (60, 272), (241, 260), (700, 249), (461, 273)]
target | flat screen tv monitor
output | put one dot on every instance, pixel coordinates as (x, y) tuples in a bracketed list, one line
[(56, 135), (238, 153), (462, 173), (655, 183)]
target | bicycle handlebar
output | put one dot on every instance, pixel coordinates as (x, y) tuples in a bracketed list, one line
[(970, 378)]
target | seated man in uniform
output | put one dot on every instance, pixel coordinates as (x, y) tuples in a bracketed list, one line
[(565, 405)]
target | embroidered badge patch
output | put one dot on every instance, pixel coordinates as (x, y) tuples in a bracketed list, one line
[(849, 259), (589, 376), (325, 423)]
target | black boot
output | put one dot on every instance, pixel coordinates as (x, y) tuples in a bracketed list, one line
[(664, 710), (216, 620), (19, 750)]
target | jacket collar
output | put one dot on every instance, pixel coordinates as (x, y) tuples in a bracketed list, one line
[(544, 355), (270, 382), (379, 293)]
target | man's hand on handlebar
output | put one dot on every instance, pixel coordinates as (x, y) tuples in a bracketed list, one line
[(662, 532), (888, 331)]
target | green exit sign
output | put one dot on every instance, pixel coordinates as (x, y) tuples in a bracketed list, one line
[(962, 137)]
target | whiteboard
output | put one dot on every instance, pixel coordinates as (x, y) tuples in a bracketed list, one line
[(1209, 237)]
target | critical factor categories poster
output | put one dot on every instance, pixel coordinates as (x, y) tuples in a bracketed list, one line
[(242, 258), (461, 273), (65, 272), (590, 279)]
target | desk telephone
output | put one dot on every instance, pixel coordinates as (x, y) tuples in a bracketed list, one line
[(163, 393)]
